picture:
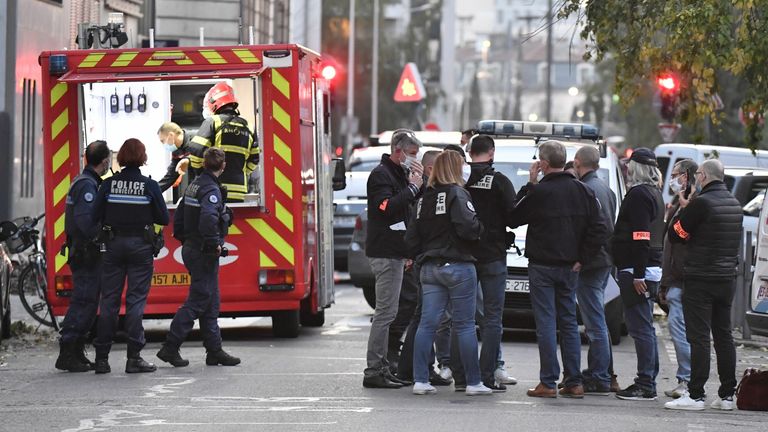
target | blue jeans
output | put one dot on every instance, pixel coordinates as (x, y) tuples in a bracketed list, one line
[(639, 320), (591, 293), (492, 277), (457, 282), (676, 324), (553, 295)]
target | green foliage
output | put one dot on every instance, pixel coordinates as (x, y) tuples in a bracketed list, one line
[(704, 42)]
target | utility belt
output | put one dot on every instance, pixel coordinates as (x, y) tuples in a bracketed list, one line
[(81, 253), (195, 241), (155, 239)]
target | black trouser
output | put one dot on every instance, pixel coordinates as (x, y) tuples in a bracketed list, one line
[(407, 303), (707, 307), (81, 313)]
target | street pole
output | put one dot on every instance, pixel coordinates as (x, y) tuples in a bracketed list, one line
[(375, 71), (549, 62), (351, 76)]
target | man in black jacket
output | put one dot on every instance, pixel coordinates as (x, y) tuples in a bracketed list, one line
[(565, 229), (711, 226), (176, 141), (392, 187)]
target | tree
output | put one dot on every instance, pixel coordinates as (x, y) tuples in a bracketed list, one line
[(703, 42)]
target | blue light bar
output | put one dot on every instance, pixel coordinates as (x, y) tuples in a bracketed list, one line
[(57, 64), (538, 129)]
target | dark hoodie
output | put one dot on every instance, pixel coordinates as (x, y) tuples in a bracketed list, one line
[(494, 198)]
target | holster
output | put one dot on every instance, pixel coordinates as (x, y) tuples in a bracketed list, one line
[(156, 239)]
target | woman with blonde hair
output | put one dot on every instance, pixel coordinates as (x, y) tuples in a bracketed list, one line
[(440, 238)]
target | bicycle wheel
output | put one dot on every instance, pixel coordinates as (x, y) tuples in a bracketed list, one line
[(32, 293)]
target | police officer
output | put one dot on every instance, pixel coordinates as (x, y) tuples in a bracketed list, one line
[(227, 130), (176, 141), (127, 205), (200, 223), (84, 259)]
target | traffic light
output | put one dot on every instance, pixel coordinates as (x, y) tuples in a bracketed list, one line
[(328, 72), (669, 89)]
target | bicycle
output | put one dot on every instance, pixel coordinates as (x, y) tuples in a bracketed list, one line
[(33, 280)]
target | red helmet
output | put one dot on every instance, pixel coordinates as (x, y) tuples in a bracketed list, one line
[(219, 95)]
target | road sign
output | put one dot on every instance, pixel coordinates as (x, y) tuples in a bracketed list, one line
[(410, 88), (668, 131)]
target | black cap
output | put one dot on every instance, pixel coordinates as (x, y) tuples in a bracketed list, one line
[(644, 155)]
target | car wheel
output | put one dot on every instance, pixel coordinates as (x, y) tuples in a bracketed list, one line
[(614, 317), (285, 324), (369, 292)]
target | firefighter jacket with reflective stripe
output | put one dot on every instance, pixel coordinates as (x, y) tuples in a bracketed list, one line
[(230, 132), (493, 196), (711, 225), (638, 237), (202, 215), (129, 201), (80, 202), (446, 227)]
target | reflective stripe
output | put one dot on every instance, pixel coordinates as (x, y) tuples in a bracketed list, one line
[(641, 235), (235, 187), (383, 205), (192, 202), (202, 141), (235, 195), (128, 199), (678, 227), (233, 149)]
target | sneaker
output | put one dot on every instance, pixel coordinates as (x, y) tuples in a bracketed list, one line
[(725, 404), (634, 392), (501, 376), (437, 380), (446, 373), (685, 403), (595, 388), (423, 388), (496, 387), (478, 390), (679, 391)]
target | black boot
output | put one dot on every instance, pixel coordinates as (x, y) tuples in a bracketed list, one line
[(220, 357), (79, 353), (171, 355), (102, 365), (136, 364), (68, 361)]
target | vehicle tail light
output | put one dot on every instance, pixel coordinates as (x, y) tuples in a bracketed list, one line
[(276, 280), (358, 223), (63, 283)]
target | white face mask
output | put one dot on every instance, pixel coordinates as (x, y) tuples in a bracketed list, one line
[(675, 185), (466, 170), (409, 160)]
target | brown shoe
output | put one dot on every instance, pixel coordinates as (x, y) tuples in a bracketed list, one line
[(542, 391), (614, 384), (575, 392)]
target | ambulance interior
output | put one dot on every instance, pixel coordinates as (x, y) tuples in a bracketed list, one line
[(115, 112)]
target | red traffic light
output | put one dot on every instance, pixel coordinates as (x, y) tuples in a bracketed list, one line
[(328, 72), (667, 83)]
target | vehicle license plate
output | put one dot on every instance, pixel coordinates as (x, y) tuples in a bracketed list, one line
[(762, 291), (170, 279), (343, 221), (517, 285)]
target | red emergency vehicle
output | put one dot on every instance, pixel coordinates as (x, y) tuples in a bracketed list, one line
[(281, 242)]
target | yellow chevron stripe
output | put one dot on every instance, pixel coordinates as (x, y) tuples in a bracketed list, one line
[(60, 156), (284, 216), (152, 62), (124, 59), (59, 124), (57, 92), (60, 191), (264, 260), (282, 149), (281, 116), (184, 62), (273, 238), (58, 227), (92, 60), (234, 230), (283, 183), (280, 83), (246, 56), (60, 261), (213, 57)]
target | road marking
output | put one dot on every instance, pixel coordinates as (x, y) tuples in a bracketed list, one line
[(296, 373), (167, 388)]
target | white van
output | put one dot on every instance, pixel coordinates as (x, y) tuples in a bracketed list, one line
[(668, 154), (757, 312)]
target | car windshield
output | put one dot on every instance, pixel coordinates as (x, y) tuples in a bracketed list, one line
[(517, 172), (364, 165)]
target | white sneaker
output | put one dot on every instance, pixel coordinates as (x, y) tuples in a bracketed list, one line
[(478, 390), (723, 404), (446, 373), (423, 388), (678, 391), (685, 403), (500, 375)]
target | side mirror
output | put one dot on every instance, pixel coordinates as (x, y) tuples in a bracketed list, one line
[(7, 229), (339, 174)]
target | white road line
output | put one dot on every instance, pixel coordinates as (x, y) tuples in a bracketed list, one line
[(167, 388)]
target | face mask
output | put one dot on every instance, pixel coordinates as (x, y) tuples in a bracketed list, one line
[(676, 186), (169, 146), (466, 170), (409, 160)]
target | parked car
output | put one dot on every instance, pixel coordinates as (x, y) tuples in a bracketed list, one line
[(748, 186), (6, 267), (360, 273), (757, 306), (344, 213)]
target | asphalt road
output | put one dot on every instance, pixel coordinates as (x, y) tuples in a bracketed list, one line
[(313, 383)]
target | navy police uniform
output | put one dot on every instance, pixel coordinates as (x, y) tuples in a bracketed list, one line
[(127, 205), (200, 223), (84, 258)]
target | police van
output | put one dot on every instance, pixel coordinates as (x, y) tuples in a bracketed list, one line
[(516, 148)]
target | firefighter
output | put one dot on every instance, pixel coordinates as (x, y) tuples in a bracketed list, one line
[(127, 205), (84, 259), (176, 141), (200, 223), (227, 130)]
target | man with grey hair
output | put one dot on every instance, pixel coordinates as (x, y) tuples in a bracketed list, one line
[(710, 225), (392, 187), (593, 278), (565, 229)]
